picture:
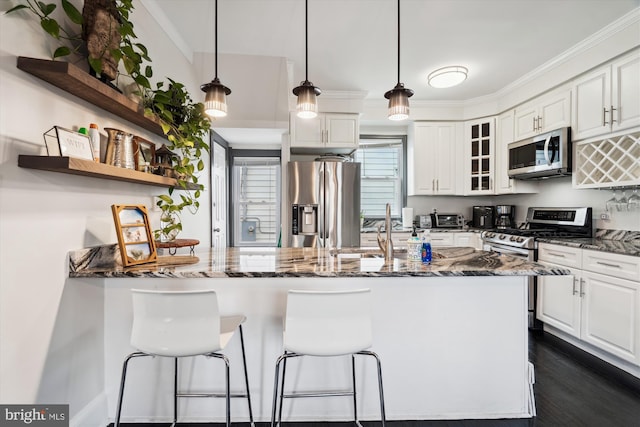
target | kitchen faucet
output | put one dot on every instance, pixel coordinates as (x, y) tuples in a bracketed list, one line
[(386, 245)]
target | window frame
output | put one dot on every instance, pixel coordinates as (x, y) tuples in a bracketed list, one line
[(403, 184)]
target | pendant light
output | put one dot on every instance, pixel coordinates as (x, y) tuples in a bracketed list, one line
[(215, 101), (307, 106), (398, 96)]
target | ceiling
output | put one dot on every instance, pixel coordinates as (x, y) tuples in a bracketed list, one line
[(353, 43)]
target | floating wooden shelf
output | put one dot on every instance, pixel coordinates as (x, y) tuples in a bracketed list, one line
[(74, 80), (75, 166)]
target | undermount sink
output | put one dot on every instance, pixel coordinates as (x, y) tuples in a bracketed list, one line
[(365, 253), (400, 253)]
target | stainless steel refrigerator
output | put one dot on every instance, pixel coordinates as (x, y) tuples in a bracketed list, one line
[(324, 202)]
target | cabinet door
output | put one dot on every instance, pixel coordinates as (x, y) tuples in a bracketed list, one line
[(307, 132), (559, 301), (625, 92), (469, 240), (479, 156), (554, 112), (610, 314), (592, 100), (431, 159), (341, 130), (443, 160), (526, 121)]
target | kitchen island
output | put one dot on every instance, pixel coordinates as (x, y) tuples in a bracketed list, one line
[(452, 335)]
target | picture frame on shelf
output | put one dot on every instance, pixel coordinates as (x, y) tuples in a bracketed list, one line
[(135, 237), (145, 154), (67, 143)]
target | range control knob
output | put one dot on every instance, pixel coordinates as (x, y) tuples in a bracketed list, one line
[(502, 237), (513, 238), (520, 239)]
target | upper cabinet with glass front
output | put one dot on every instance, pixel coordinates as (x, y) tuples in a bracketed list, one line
[(331, 132), (608, 99), (479, 147)]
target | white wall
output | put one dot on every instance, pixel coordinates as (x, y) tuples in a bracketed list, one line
[(52, 328)]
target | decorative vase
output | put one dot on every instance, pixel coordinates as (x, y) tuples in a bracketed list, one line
[(170, 227)]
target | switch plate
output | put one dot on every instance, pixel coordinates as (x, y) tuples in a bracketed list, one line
[(154, 206), (604, 216)]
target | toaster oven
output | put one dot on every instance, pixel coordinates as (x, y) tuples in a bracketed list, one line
[(447, 220)]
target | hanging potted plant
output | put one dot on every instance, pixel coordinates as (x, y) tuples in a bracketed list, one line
[(104, 34), (186, 126)]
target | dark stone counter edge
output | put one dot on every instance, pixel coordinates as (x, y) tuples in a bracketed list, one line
[(271, 274)]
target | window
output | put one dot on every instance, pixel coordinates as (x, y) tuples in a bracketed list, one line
[(383, 174), (256, 195)]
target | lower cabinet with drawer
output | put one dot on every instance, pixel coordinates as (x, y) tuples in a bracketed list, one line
[(599, 303)]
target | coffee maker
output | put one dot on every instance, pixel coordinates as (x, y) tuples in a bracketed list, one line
[(505, 216)]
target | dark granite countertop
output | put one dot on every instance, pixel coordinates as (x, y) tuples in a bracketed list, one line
[(614, 241), (104, 261)]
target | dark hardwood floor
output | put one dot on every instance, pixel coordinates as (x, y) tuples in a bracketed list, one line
[(573, 389)]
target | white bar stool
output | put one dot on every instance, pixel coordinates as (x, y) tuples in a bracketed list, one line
[(326, 323), (182, 324)]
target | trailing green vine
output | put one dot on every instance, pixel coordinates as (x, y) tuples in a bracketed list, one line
[(183, 121)]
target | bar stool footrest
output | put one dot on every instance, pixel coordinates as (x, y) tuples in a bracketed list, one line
[(319, 394), (223, 395)]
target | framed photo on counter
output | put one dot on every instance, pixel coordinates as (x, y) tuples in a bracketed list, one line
[(135, 238)]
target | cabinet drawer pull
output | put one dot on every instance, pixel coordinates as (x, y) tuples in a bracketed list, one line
[(604, 116), (534, 123), (581, 287), (575, 279), (606, 264), (556, 254), (611, 119)]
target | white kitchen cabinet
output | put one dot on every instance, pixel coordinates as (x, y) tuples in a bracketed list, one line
[(599, 303), (607, 99), (610, 312), (467, 239), (331, 132), (431, 159), (442, 239), (543, 114), (504, 136), (559, 300), (370, 240), (479, 148)]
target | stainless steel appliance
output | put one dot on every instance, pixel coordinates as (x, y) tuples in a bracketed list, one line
[(447, 220), (483, 217), (424, 221), (325, 204), (505, 216), (557, 223), (542, 156)]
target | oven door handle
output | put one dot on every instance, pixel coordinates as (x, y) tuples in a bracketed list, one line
[(505, 251)]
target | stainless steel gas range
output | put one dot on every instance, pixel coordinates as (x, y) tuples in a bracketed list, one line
[(556, 223)]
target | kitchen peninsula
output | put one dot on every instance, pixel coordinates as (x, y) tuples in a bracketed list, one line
[(452, 336)]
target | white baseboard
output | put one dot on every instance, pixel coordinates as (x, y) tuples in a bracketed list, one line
[(93, 414)]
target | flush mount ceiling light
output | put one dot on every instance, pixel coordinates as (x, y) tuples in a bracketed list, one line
[(398, 96), (215, 101), (448, 76), (307, 106)]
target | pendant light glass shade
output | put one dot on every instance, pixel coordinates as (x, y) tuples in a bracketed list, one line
[(215, 101), (398, 102), (307, 106), (398, 96)]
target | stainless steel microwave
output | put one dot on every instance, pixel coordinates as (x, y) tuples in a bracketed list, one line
[(542, 156)]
